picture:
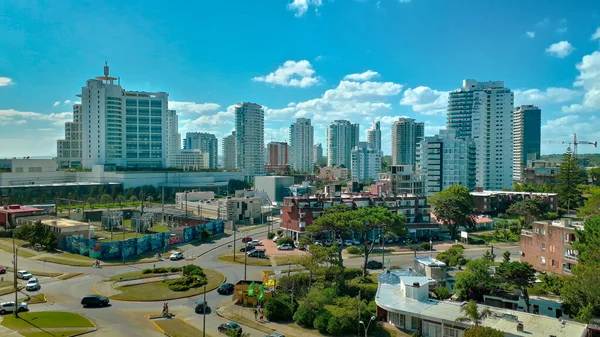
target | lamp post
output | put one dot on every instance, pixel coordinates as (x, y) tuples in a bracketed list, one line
[(368, 325), (16, 251), (245, 258), (204, 314), (430, 248)]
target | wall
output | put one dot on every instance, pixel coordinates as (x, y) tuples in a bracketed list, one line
[(544, 241)]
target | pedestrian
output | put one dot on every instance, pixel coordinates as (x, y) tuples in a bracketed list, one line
[(255, 314), (262, 317)]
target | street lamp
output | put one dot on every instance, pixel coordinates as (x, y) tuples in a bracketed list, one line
[(368, 325), (430, 248), (16, 252)]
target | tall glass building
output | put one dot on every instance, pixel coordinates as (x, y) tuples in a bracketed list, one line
[(527, 138)]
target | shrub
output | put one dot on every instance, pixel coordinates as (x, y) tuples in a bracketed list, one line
[(175, 269), (321, 321), (476, 241), (279, 308), (483, 331), (551, 216), (353, 250), (352, 273), (270, 236), (279, 231), (185, 283), (442, 293), (284, 241), (147, 271), (193, 270), (426, 246), (160, 270), (305, 316), (394, 267)]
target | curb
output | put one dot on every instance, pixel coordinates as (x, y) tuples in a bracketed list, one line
[(226, 243), (258, 326), (160, 329)]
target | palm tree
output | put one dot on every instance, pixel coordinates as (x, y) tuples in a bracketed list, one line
[(119, 199), (471, 313)]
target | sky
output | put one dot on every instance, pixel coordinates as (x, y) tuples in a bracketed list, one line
[(360, 60)]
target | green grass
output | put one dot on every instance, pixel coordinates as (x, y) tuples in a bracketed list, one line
[(35, 299), (7, 246), (253, 261), (48, 319), (177, 328), (159, 291), (67, 262), (289, 259), (159, 228)]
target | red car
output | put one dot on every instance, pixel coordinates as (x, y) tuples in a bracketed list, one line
[(246, 239), (2, 270)]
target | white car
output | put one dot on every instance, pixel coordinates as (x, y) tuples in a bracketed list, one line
[(176, 256), (348, 242), (24, 274), (32, 285), (286, 246), (275, 238), (356, 242), (7, 307), (255, 243)]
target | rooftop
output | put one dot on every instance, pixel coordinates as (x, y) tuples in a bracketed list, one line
[(64, 223), (429, 261), (490, 193), (15, 209)]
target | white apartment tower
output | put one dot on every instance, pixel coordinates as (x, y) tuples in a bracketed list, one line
[(342, 137), (406, 135), (317, 152), (69, 150), (206, 143), (366, 163), (301, 145), (250, 134), (444, 160), (228, 146), (122, 128), (374, 136), (483, 111)]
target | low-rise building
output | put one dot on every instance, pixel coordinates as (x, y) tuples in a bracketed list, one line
[(547, 246), (277, 169), (401, 179), (431, 268), (403, 300), (28, 165), (61, 227), (540, 172), (10, 213), (334, 173), (302, 189), (189, 160), (538, 305), (493, 202), (192, 196), (276, 187)]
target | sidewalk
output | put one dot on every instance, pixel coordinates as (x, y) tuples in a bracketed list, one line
[(6, 332)]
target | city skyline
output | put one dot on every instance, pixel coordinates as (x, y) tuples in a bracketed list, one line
[(358, 79)]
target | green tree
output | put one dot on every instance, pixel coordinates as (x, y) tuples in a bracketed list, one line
[(569, 178), (279, 308), (530, 209), (475, 281), (106, 199), (91, 201), (483, 331), (591, 205), (313, 304), (506, 257), (235, 185), (204, 234), (133, 199), (588, 241), (517, 274), (594, 175), (453, 207), (453, 256), (442, 293), (471, 313), (489, 256), (119, 199)]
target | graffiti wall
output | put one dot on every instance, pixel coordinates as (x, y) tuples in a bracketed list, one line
[(117, 250)]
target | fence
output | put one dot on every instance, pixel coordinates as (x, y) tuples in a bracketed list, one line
[(133, 247)]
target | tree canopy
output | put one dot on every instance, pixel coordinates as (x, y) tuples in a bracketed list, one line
[(453, 256), (530, 209), (453, 207), (37, 233), (570, 175), (591, 205), (483, 331), (471, 313), (475, 281)]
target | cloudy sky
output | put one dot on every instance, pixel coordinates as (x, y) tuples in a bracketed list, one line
[(361, 60)]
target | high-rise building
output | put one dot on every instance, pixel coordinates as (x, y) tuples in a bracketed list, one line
[(406, 135), (366, 163), (228, 146), (122, 128), (444, 160), (317, 152), (527, 138), (342, 137), (374, 136), (205, 142), (69, 150), (277, 153), (484, 112), (301, 145), (250, 134)]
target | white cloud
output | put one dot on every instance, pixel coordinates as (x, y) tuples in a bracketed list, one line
[(215, 123), (550, 95), (589, 80), (560, 49), (5, 81), (543, 22), (277, 135), (596, 35), (350, 90), (184, 108), (301, 6), (366, 76), (56, 103), (530, 34), (425, 100), (68, 101), (291, 74), (12, 116), (561, 30), (563, 128)]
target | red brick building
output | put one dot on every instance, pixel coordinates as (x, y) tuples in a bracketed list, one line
[(10, 213), (499, 201), (547, 246)]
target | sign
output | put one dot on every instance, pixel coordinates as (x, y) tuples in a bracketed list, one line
[(277, 272), (387, 260), (464, 235)]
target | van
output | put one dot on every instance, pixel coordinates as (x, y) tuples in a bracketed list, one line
[(257, 253)]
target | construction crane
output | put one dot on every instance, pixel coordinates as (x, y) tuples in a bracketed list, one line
[(575, 142)]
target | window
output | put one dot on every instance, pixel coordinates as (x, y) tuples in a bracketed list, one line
[(543, 260), (554, 264), (543, 247), (449, 332)]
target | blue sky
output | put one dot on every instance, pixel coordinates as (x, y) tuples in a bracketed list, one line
[(361, 60)]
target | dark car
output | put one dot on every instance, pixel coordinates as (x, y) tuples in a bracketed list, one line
[(374, 264), (256, 253), (246, 239), (2, 270), (201, 307), (94, 301), (275, 335), (247, 248), (231, 326), (225, 289)]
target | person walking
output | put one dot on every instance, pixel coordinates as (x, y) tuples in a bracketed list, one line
[(255, 314)]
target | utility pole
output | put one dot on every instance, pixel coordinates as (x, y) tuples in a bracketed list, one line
[(15, 251), (233, 226), (162, 194), (204, 314), (186, 212), (359, 299), (245, 260), (289, 267), (382, 249)]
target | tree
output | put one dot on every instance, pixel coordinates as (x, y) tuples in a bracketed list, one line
[(133, 199), (475, 281), (454, 256), (106, 199), (530, 209), (442, 293), (483, 331), (119, 199), (279, 308), (91, 202), (569, 178), (506, 257), (489, 256), (472, 314), (453, 208), (235, 185), (591, 205), (502, 230), (587, 244)]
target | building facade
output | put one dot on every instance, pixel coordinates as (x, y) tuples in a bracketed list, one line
[(119, 127), (365, 164), (547, 246), (205, 142), (342, 137), (317, 153), (70, 150), (249, 133), (401, 180), (540, 172), (277, 153), (228, 146), (406, 135), (334, 173), (527, 138), (499, 201), (374, 136), (301, 145), (276, 187), (444, 160), (189, 160), (483, 111)]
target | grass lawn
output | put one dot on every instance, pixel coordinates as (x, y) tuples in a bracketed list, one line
[(57, 259), (35, 299), (6, 245), (69, 333), (177, 328), (33, 324), (6, 284), (289, 259), (159, 228), (253, 261), (158, 291)]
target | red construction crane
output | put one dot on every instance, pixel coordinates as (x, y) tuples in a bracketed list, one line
[(575, 142)]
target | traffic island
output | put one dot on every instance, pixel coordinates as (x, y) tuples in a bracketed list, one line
[(175, 327), (143, 286), (49, 323), (251, 261)]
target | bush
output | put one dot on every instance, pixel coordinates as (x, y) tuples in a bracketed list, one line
[(395, 268), (147, 271), (279, 308), (476, 241), (321, 321), (284, 241), (270, 236), (551, 216), (193, 270), (352, 273), (187, 282), (175, 269), (426, 246), (279, 232), (305, 316), (353, 250), (160, 270), (442, 293), (483, 331)]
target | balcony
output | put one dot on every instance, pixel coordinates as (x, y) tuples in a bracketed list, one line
[(567, 271), (526, 233), (571, 258)]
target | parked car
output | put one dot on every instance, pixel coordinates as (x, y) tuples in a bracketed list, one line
[(246, 239), (7, 307), (327, 243), (286, 246), (2, 270), (275, 335), (247, 248), (372, 264), (94, 301), (201, 307), (32, 285), (356, 242), (176, 256), (256, 253), (348, 242), (24, 274), (231, 326), (256, 242), (225, 289), (275, 238)]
